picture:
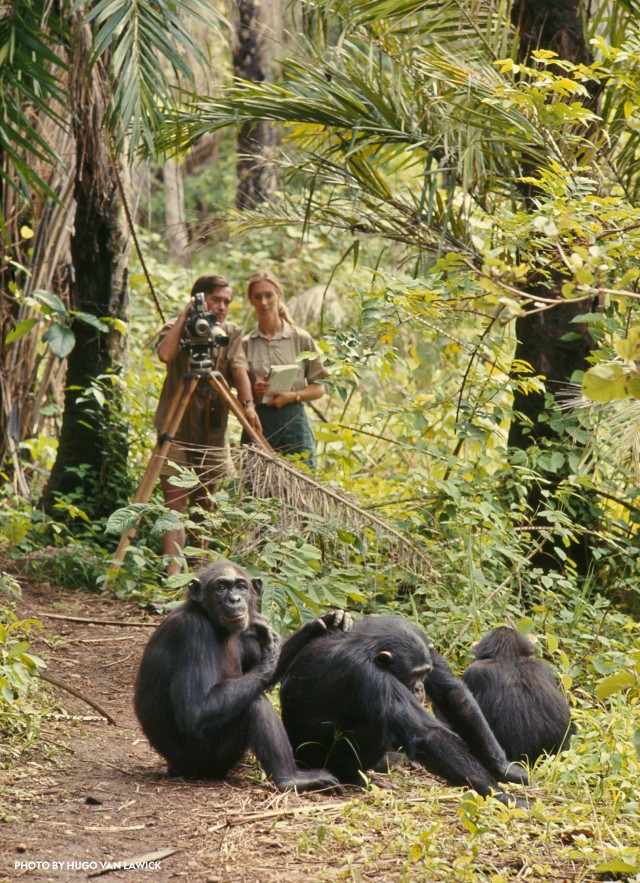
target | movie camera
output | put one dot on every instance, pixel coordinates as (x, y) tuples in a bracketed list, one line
[(203, 333)]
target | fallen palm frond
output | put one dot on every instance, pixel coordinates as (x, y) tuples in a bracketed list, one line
[(265, 475)]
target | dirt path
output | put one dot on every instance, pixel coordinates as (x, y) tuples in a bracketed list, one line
[(103, 797), (91, 797)]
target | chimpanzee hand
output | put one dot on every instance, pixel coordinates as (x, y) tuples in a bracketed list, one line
[(269, 645), (336, 620)]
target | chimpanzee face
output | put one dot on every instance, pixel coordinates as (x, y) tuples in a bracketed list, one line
[(227, 593), (410, 665), (415, 682)]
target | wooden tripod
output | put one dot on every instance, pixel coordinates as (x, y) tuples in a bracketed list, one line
[(177, 410)]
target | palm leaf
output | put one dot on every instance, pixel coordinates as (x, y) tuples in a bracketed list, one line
[(263, 474), (135, 40), (31, 74)]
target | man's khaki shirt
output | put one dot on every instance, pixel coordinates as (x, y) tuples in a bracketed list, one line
[(198, 426)]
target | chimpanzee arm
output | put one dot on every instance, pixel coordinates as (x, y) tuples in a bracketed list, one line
[(437, 748), (454, 702), (204, 696), (335, 622)]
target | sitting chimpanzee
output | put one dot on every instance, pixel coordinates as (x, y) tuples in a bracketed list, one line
[(349, 698), (519, 696), (199, 690)]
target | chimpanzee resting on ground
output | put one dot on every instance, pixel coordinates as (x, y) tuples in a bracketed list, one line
[(519, 696), (349, 698), (199, 690)]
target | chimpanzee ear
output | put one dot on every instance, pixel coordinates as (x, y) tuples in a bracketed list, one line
[(383, 659), (195, 591), (257, 586)]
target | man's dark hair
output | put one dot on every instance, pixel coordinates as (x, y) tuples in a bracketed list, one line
[(207, 284)]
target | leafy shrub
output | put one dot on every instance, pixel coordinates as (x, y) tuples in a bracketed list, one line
[(18, 667)]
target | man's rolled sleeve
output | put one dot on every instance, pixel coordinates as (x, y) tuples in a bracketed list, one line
[(236, 355)]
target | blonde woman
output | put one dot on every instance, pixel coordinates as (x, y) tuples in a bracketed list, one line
[(278, 341)]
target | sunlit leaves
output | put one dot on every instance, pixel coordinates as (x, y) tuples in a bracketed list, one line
[(607, 382), (621, 680)]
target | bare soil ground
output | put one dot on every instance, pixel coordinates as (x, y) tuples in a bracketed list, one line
[(91, 795)]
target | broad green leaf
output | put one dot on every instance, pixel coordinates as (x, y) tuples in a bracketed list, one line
[(169, 521), (89, 319), (622, 680), (51, 301), (186, 479), (636, 741), (604, 383), (21, 329), (124, 519), (567, 682), (61, 340), (120, 326), (629, 348)]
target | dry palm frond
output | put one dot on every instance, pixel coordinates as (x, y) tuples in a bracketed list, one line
[(266, 475)]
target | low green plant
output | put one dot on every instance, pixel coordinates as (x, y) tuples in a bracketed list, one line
[(18, 667)]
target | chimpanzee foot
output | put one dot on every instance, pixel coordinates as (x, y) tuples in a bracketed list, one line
[(511, 800), (395, 760), (379, 782), (516, 774), (310, 780)]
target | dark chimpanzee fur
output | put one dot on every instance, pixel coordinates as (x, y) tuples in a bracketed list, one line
[(519, 696), (199, 691), (348, 699)]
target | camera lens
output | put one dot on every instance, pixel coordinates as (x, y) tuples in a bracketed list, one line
[(201, 327), (221, 339)]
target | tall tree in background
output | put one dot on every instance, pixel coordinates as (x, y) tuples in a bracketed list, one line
[(258, 38), (550, 341), (123, 61), (99, 246), (174, 213)]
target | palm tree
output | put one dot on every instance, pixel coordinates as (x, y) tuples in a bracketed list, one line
[(100, 75), (428, 124)]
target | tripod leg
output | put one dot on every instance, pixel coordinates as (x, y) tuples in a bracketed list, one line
[(174, 419), (219, 385)]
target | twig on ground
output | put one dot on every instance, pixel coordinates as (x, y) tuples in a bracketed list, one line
[(62, 686)]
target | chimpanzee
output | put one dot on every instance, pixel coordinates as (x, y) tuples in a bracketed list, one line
[(348, 698), (519, 696), (199, 690)]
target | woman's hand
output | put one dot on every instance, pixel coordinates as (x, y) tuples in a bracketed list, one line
[(261, 388), (280, 399)]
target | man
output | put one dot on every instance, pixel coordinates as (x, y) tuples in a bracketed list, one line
[(202, 440)]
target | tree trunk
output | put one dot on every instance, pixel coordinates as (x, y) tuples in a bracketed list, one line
[(174, 214), (90, 465), (554, 25), (258, 34)]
